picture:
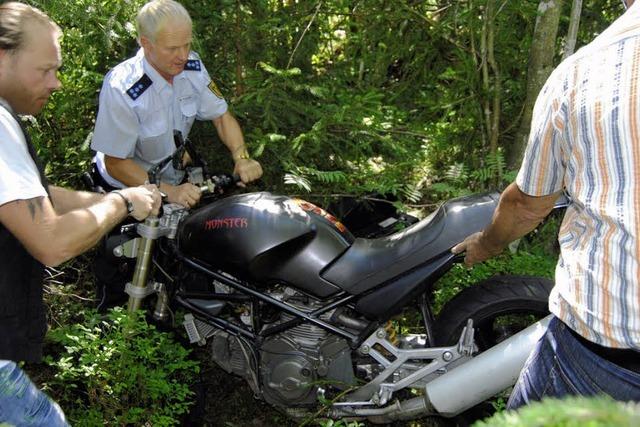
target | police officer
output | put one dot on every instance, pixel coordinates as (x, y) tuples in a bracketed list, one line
[(165, 87)]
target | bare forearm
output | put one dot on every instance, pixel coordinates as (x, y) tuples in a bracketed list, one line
[(65, 200), (52, 238), (127, 171), (80, 229), (516, 215), (231, 135)]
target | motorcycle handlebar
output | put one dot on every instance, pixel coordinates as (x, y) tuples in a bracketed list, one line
[(218, 183)]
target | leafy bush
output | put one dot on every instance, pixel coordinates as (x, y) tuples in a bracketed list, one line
[(570, 412), (120, 371), (518, 263), (97, 35), (330, 138), (339, 98)]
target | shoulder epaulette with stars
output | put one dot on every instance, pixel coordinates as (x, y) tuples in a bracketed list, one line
[(139, 87), (193, 65)]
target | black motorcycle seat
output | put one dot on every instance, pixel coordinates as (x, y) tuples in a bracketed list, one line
[(369, 263)]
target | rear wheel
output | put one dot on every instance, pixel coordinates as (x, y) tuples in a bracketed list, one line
[(499, 306)]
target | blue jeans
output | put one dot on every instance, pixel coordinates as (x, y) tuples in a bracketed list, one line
[(560, 365), (23, 404)]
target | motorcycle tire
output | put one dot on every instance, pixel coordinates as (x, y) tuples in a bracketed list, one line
[(500, 307)]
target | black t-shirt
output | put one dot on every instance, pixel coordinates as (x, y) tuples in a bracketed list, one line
[(22, 314)]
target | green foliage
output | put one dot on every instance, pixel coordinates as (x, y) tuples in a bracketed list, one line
[(340, 423), (569, 412), (119, 371), (499, 403), (332, 95), (389, 94), (355, 143), (518, 263), (458, 180), (97, 35)]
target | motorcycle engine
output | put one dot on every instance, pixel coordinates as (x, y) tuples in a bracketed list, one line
[(293, 364)]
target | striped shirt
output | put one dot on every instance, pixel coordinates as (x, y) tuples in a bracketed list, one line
[(585, 138)]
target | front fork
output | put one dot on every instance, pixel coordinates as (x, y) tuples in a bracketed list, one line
[(138, 288), (149, 232)]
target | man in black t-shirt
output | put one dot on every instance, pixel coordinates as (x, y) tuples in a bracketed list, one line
[(40, 224)]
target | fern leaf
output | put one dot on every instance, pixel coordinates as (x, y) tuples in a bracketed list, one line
[(297, 180)]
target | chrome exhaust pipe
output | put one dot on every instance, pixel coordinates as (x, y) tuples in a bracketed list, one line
[(410, 409), (467, 385), (485, 375)]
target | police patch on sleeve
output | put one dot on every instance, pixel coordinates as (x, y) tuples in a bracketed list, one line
[(214, 88), (139, 87), (192, 65)]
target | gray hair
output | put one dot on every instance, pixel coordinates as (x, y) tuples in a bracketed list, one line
[(153, 15), (13, 29)]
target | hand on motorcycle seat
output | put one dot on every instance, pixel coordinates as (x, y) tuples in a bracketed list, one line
[(476, 249), (187, 195), (248, 170)]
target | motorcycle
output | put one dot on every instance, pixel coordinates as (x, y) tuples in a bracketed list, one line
[(286, 297)]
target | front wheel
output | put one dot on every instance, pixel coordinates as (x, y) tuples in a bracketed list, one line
[(500, 307)]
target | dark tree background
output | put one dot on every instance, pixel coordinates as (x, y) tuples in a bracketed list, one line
[(421, 99)]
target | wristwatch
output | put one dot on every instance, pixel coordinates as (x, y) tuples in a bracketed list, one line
[(126, 201)]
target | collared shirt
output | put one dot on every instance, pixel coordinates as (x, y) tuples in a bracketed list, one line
[(139, 111), (585, 138)]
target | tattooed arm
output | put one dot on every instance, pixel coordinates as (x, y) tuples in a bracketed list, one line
[(53, 237)]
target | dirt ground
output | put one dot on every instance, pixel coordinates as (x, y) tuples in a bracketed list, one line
[(225, 400)]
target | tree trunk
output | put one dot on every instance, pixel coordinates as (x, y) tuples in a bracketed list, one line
[(238, 46), (540, 66), (572, 34), (490, 77)]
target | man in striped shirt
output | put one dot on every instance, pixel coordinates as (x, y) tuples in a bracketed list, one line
[(585, 141)]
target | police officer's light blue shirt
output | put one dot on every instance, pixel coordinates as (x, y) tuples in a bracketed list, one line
[(139, 111)]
